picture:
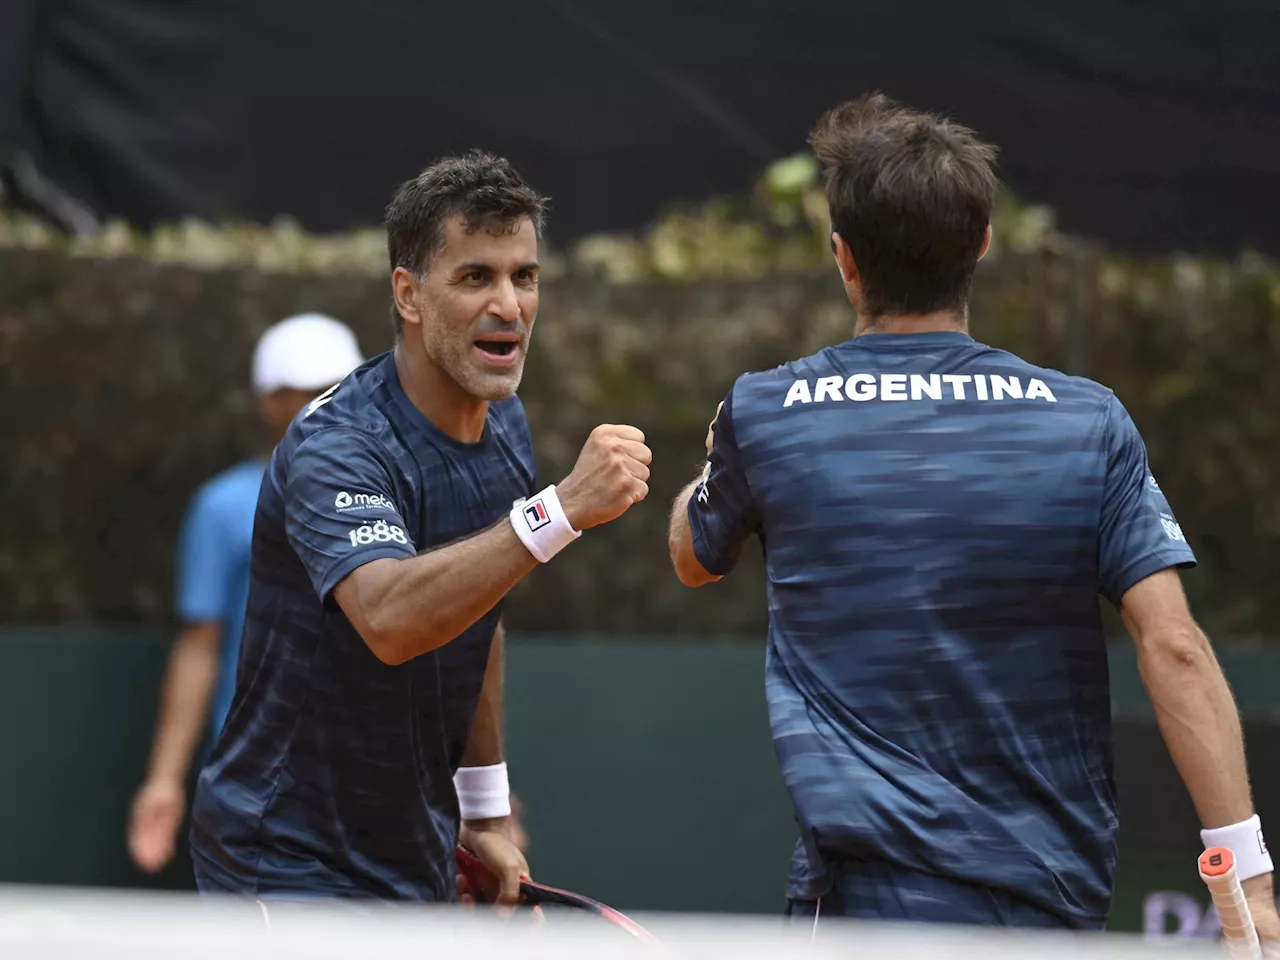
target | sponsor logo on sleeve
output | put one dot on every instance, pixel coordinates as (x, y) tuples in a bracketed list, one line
[(380, 532), (346, 502), (1172, 529)]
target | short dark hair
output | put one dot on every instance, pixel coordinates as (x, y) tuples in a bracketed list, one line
[(911, 195), (484, 189)]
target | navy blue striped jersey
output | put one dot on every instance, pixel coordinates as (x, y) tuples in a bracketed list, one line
[(333, 774), (938, 519)]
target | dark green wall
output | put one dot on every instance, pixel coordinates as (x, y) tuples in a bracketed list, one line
[(649, 772), (627, 754), (647, 768), (76, 707)]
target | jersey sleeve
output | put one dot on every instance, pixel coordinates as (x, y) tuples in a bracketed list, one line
[(1139, 534), (722, 511), (204, 561), (340, 507)]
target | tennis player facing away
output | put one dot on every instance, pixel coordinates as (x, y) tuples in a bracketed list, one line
[(938, 519), (396, 513)]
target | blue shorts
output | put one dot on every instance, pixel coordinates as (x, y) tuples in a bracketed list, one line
[(211, 878), (879, 890), (214, 880)]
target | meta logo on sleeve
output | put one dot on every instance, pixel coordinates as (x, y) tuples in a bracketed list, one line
[(345, 502)]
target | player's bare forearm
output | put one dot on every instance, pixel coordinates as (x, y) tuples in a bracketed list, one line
[(494, 839), (184, 701), (680, 541), (485, 747), (404, 608), (1194, 706), (1198, 718)]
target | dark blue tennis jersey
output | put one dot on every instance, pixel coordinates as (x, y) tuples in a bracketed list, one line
[(938, 519), (334, 773)]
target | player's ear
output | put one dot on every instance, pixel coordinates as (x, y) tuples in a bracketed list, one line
[(844, 260), (404, 288), (986, 243)]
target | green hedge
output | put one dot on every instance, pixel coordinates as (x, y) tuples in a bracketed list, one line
[(124, 363)]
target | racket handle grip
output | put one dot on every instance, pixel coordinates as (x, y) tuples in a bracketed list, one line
[(1218, 871)]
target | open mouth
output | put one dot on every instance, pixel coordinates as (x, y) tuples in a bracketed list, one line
[(499, 351), (497, 348)]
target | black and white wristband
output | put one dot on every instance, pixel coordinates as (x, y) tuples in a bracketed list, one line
[(1246, 844), (483, 792), (541, 525)]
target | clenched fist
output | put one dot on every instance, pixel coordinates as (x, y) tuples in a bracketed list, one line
[(611, 474)]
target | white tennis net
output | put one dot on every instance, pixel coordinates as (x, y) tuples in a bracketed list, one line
[(69, 924)]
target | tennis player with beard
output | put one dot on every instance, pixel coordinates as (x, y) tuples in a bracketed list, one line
[(365, 735)]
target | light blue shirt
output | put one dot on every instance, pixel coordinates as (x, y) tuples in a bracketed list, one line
[(213, 568)]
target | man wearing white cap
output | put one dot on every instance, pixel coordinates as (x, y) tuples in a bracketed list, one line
[(294, 361)]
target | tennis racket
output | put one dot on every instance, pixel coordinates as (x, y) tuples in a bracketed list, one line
[(1218, 871), (485, 886)]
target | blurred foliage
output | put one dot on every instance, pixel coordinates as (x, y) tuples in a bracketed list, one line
[(124, 360), (782, 229)]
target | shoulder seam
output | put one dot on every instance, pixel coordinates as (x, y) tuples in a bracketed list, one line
[(388, 459)]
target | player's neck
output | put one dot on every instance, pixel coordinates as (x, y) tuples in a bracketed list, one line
[(438, 397), (950, 320)]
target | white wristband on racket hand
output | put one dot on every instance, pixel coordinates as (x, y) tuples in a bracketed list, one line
[(483, 792), (1245, 842), (541, 525)]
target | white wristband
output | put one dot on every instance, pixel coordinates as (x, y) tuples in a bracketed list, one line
[(1245, 842), (541, 525), (483, 792)]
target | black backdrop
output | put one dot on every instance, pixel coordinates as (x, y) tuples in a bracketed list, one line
[(1152, 125)]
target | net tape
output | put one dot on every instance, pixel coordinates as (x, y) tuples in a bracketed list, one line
[(72, 924)]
